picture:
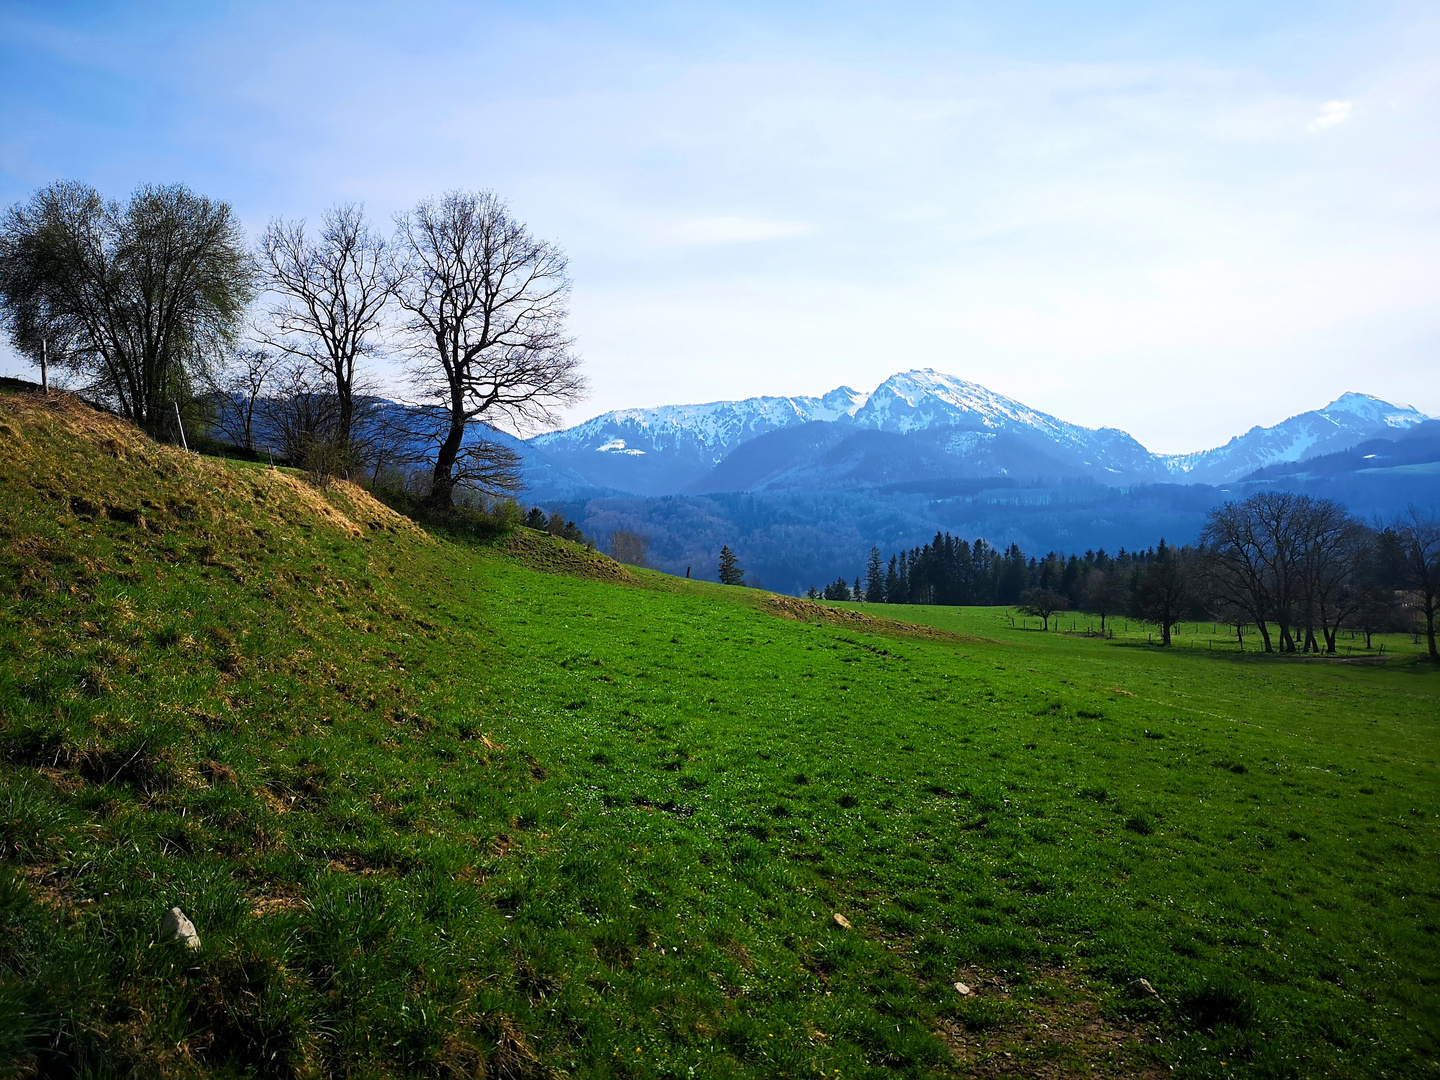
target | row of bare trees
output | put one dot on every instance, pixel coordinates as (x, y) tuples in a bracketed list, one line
[(150, 304), (1308, 567)]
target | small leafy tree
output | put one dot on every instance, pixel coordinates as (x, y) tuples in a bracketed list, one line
[(1104, 595), (1041, 604), (730, 572)]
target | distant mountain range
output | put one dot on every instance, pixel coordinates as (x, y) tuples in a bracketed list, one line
[(919, 431)]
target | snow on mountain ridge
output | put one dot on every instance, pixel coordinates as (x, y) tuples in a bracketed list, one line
[(916, 387), (666, 448), (710, 429), (922, 398), (1349, 419)]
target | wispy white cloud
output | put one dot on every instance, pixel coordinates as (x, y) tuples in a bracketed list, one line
[(1332, 113), (730, 230), (751, 206)]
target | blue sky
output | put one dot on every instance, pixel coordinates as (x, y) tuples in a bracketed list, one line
[(1178, 219)]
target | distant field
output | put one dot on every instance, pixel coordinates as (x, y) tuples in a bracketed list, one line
[(1007, 624), (446, 810)]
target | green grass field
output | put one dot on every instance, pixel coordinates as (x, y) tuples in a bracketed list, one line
[(447, 810), (1006, 624)]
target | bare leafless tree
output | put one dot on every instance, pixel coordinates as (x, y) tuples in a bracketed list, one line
[(630, 547), (237, 390), (331, 291), (1333, 550), (301, 414), (1419, 536), (1234, 566), (485, 306)]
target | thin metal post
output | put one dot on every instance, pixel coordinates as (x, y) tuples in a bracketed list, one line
[(181, 425)]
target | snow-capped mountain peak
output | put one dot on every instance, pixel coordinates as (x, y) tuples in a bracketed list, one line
[(1348, 420), (1371, 410), (949, 423), (842, 401), (924, 397)]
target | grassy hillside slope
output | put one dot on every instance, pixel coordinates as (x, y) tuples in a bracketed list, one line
[(516, 811)]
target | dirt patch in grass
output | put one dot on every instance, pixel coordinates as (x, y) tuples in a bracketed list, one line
[(792, 607), (274, 904), (64, 781), (361, 508), (551, 555), (1045, 1024), (47, 887)]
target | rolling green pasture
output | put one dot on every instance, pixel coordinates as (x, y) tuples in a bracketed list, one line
[(441, 810)]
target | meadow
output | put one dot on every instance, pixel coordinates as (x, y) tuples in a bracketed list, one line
[(440, 808)]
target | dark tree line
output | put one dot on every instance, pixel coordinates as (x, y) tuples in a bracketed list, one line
[(1298, 569)]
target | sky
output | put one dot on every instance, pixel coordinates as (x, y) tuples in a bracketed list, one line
[(1179, 219)]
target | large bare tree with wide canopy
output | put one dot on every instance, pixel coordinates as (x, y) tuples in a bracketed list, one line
[(485, 306)]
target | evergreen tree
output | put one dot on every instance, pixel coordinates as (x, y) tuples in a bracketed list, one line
[(875, 578), (1013, 576), (892, 583), (730, 572)]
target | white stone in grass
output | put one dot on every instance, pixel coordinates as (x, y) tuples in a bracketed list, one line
[(1140, 988), (174, 926), (963, 990)]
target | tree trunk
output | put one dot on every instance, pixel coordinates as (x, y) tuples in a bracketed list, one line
[(1287, 643), (346, 421), (1430, 625), (442, 479), (1265, 636)]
